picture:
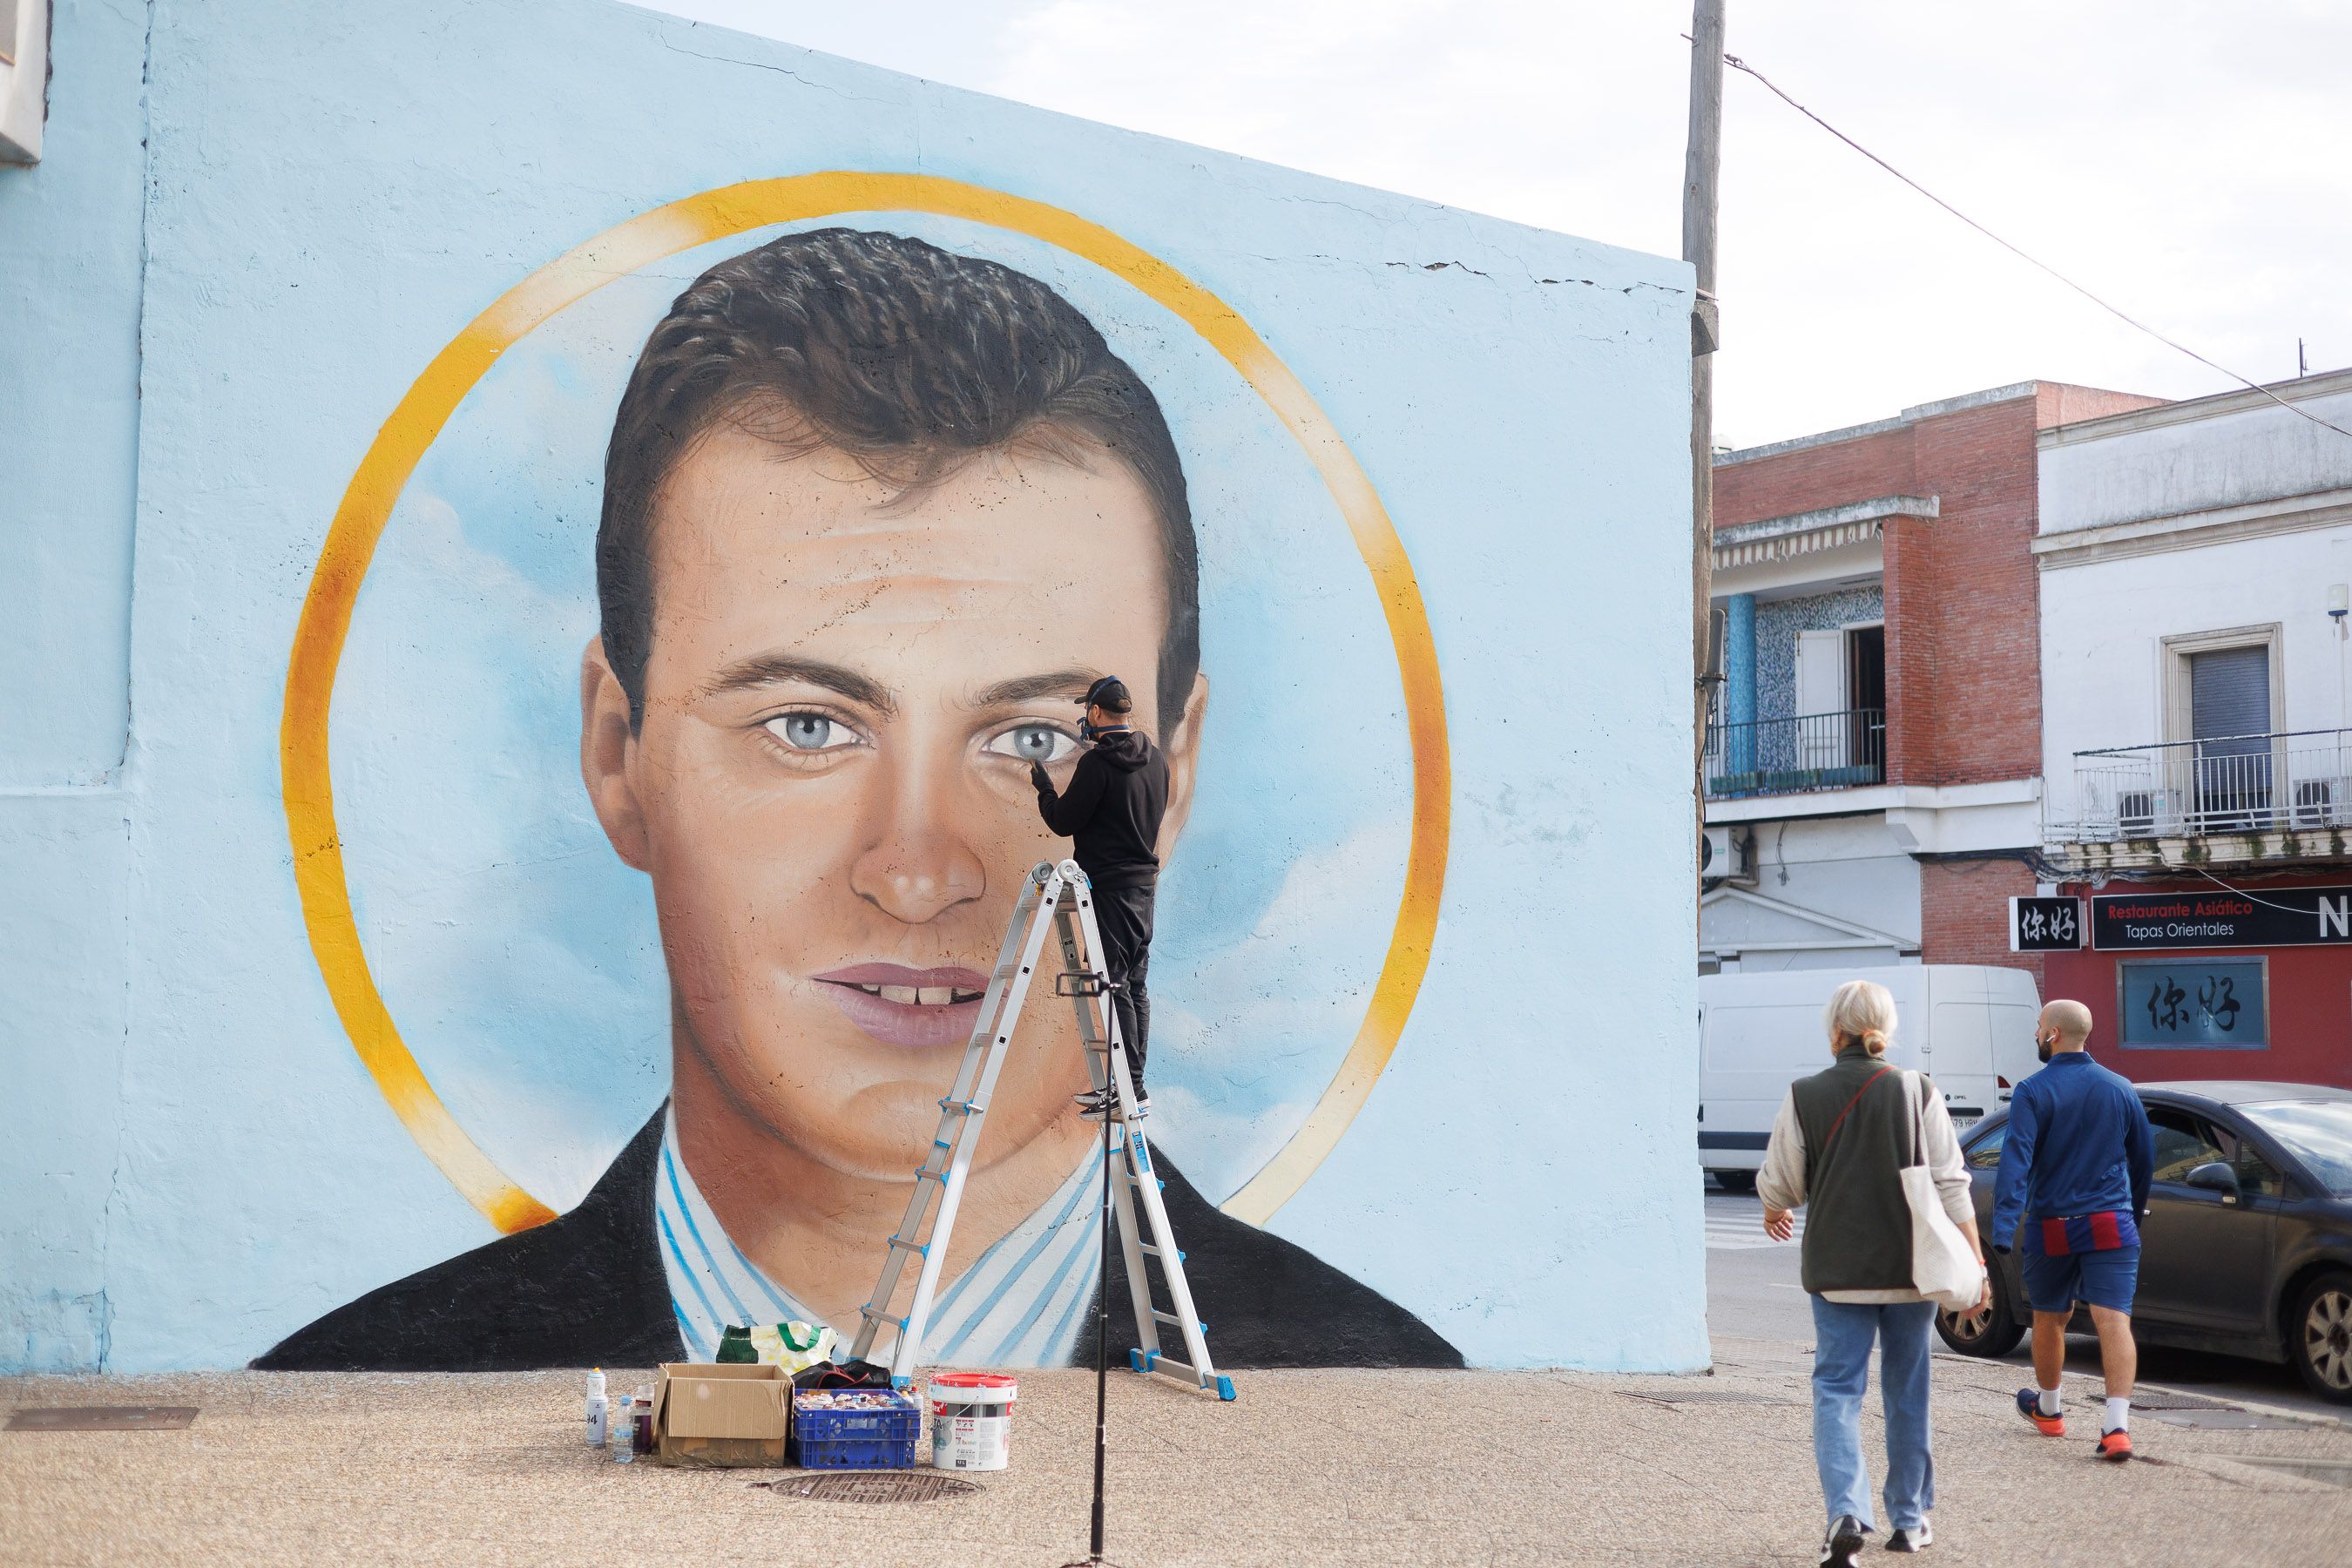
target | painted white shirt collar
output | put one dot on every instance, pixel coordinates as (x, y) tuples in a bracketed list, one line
[(1018, 1305)]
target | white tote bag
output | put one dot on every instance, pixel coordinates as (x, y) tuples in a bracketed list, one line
[(1944, 1268)]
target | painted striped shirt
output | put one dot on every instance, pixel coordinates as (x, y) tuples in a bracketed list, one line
[(1018, 1305)]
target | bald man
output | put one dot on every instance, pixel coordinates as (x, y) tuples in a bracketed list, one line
[(2074, 1167)]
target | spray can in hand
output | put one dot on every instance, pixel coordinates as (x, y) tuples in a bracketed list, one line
[(597, 1407)]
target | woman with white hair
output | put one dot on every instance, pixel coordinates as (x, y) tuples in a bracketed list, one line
[(1838, 1148)]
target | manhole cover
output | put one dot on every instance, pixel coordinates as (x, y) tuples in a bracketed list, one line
[(2330, 1472), (874, 1486), (103, 1418), (1710, 1396)]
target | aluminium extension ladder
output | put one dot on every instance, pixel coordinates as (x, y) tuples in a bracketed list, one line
[(1062, 893)]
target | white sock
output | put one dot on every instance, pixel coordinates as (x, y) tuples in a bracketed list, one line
[(2049, 1403), (2119, 1414)]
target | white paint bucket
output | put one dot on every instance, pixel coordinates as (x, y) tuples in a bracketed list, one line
[(971, 1420)]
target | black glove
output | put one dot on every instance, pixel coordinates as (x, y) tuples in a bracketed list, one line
[(1037, 774)]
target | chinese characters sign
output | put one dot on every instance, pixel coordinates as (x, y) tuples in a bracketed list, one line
[(2258, 917), (2046, 925), (2204, 1002)]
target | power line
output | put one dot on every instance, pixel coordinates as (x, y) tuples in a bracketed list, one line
[(1736, 63)]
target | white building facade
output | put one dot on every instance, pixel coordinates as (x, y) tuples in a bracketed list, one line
[(2196, 586)]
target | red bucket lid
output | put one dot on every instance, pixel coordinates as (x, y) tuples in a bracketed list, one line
[(986, 1382)]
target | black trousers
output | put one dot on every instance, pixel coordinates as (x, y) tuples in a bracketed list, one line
[(1124, 917)]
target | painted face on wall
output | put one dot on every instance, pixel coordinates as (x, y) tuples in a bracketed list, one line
[(829, 787)]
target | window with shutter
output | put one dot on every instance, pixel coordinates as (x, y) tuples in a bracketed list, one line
[(2229, 718), (2229, 695)]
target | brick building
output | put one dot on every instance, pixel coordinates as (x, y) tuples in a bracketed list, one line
[(1873, 780)]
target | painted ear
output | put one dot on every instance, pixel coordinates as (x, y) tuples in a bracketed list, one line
[(1183, 750), (608, 748)]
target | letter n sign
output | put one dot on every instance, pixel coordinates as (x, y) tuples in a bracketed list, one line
[(2046, 925), (2335, 918)]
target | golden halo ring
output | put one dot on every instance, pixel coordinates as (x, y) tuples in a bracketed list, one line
[(417, 421)]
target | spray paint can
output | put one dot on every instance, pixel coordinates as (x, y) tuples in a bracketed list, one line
[(619, 1439), (641, 1419), (597, 1408)]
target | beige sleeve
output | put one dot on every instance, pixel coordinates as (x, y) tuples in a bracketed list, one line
[(1940, 1151), (1781, 1183)]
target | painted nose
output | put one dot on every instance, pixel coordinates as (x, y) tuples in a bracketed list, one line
[(919, 867)]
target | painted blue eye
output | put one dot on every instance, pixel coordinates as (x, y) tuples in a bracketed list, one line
[(1034, 743), (803, 731)]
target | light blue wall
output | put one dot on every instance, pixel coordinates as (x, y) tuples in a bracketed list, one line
[(333, 192), (70, 265)]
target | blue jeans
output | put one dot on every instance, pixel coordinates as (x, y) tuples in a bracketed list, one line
[(1843, 1333)]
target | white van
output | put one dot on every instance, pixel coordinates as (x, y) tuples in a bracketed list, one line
[(1968, 1026)]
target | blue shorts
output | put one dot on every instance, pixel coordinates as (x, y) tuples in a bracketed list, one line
[(2108, 1279)]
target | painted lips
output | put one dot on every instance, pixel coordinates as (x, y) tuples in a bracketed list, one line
[(919, 1009)]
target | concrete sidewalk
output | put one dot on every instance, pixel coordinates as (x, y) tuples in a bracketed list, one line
[(1306, 1467)]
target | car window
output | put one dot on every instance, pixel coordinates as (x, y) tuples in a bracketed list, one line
[(2257, 1177), (2181, 1144), (1984, 1155), (2317, 1132)]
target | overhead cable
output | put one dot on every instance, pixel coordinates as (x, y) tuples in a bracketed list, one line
[(1736, 63)]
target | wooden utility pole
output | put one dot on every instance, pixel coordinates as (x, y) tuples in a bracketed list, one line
[(1700, 164)]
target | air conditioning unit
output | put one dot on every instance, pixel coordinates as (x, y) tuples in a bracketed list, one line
[(1723, 855)]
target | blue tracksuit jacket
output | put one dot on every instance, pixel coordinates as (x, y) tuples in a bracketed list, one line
[(2078, 1143)]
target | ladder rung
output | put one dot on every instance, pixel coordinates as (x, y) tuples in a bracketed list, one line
[(868, 1310), (1173, 1321), (921, 1248), (968, 1107)]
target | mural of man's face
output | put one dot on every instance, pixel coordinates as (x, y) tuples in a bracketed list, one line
[(829, 787)]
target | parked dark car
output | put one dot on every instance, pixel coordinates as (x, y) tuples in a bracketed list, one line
[(2246, 1247)]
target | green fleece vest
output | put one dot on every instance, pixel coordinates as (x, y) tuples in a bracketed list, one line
[(1857, 1225)]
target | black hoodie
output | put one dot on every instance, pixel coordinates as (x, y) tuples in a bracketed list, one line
[(1112, 809)]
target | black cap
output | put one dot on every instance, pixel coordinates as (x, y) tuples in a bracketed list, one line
[(1109, 694)]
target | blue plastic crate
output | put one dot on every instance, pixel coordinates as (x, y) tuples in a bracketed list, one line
[(859, 1439), (858, 1453)]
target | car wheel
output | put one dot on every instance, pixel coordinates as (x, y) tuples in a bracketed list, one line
[(1736, 1181), (1991, 1330), (2319, 1337)]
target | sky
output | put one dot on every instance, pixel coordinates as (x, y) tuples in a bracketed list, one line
[(2183, 160)]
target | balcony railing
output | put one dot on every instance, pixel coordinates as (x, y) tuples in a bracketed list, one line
[(1790, 756), (2280, 781)]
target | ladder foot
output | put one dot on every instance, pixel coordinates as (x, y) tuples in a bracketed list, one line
[(1142, 1360), (1224, 1387)]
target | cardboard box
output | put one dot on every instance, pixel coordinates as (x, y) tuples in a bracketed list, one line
[(721, 1414)]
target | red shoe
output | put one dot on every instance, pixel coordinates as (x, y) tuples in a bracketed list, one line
[(2116, 1446), (2029, 1405)]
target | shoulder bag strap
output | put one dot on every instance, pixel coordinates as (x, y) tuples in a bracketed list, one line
[(1850, 1104)]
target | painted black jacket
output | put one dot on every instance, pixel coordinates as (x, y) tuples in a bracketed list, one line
[(589, 1289)]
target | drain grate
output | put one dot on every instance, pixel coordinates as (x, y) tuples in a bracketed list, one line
[(874, 1486), (103, 1418), (2329, 1472), (2226, 1418), (2143, 1400), (1708, 1396)]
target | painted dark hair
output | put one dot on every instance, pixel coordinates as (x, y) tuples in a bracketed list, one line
[(907, 358)]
